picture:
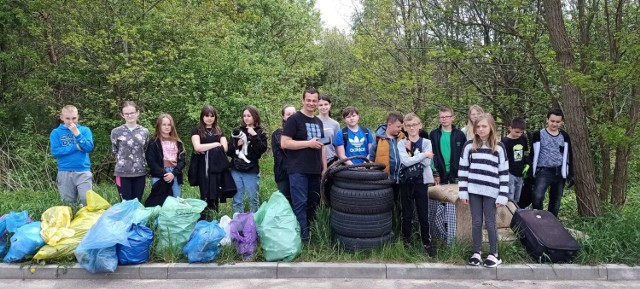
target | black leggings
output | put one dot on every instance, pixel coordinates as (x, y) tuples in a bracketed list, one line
[(130, 188), (415, 195)]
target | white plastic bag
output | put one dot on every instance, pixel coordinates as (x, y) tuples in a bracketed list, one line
[(224, 223)]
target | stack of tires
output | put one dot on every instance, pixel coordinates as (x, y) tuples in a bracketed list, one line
[(361, 206)]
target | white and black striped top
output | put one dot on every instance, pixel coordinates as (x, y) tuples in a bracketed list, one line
[(484, 173)]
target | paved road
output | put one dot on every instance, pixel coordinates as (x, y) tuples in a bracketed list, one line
[(308, 284)]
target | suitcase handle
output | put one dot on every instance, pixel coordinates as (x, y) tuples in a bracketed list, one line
[(515, 204)]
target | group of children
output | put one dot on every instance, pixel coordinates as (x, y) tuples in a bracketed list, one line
[(488, 172), (163, 155)]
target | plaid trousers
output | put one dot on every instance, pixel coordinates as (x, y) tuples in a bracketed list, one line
[(442, 221)]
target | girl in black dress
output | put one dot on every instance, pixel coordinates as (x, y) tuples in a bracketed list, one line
[(214, 178)]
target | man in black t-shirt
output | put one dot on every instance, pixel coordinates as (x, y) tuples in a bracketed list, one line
[(306, 160), (517, 147)]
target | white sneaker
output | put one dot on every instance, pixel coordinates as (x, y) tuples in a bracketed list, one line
[(475, 259), (492, 261)]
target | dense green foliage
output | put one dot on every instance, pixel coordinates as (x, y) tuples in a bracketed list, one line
[(409, 55), (171, 57)]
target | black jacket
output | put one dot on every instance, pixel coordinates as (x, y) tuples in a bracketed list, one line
[(160, 191), (279, 157), (457, 145), (257, 147), (155, 161), (567, 155), (219, 182)]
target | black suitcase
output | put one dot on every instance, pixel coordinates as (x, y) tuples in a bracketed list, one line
[(544, 237)]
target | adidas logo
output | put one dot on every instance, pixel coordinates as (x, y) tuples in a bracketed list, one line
[(357, 142)]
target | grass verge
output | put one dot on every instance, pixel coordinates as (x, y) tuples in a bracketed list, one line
[(612, 238)]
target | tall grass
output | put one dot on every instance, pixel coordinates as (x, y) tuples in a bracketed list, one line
[(612, 238), (25, 167)]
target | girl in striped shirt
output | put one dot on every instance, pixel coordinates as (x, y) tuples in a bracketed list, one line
[(484, 184)]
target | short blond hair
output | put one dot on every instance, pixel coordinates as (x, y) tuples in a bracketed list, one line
[(412, 116), (69, 109)]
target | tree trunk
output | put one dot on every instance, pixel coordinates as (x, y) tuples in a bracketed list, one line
[(623, 155), (605, 171), (587, 196)]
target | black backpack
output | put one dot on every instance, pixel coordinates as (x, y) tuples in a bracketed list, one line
[(345, 137), (410, 174)]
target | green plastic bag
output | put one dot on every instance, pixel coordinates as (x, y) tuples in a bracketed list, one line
[(278, 229), (177, 219)]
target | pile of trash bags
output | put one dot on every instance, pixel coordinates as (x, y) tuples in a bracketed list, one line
[(102, 236)]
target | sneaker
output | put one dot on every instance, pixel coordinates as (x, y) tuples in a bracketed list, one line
[(475, 259), (431, 251), (492, 261)]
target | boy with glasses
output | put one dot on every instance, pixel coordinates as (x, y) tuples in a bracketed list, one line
[(448, 143)]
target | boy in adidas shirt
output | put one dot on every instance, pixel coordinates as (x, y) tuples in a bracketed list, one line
[(352, 140)]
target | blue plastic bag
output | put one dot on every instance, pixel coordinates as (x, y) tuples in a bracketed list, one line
[(24, 243), (140, 238), (3, 223), (103, 260), (4, 238), (4, 244), (16, 220), (96, 253), (203, 242), (244, 235)]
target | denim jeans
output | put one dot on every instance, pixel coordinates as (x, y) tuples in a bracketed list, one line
[(515, 187), (305, 195), (548, 178), (176, 186), (285, 189), (249, 183)]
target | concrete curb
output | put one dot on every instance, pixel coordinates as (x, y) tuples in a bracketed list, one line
[(439, 271), (268, 270), (332, 270)]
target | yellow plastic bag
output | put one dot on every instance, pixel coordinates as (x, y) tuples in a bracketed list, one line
[(55, 224), (84, 219)]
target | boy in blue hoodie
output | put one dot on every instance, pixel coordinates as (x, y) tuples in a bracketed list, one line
[(71, 144)]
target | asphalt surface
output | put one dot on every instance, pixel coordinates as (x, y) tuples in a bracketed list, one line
[(310, 284), (301, 270)]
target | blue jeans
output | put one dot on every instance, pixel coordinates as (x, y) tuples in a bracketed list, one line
[(548, 178), (176, 186), (305, 196), (515, 187), (246, 182), (285, 189)]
